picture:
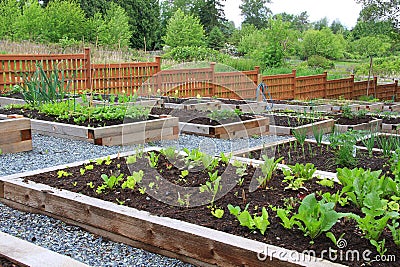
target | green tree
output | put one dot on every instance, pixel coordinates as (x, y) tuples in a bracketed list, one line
[(184, 30), (63, 19), (211, 13), (381, 10), (337, 27), (216, 39), (29, 25), (10, 12), (256, 12), (144, 21), (372, 28), (114, 29), (371, 46), (323, 43), (320, 24), (298, 22), (237, 34), (91, 7)]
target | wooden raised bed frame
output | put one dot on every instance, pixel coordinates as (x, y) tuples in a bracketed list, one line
[(326, 126), (163, 128), (257, 126), (373, 125), (4, 101), (15, 134), (188, 242)]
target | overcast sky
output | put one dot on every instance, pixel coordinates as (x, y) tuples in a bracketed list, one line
[(346, 11)]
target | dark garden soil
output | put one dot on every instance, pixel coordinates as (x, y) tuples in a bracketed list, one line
[(4, 262), (13, 95), (322, 157), (176, 100), (34, 114), (232, 101), (197, 117), (290, 121), (353, 121), (391, 120), (275, 195), (295, 103)]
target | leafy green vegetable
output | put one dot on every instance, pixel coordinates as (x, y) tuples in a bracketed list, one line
[(313, 217), (257, 222)]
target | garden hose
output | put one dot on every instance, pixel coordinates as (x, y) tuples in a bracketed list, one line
[(263, 88)]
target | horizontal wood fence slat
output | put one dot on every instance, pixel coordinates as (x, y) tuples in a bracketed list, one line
[(147, 78)]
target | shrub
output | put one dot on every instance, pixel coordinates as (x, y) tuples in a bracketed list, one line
[(190, 53), (320, 62)]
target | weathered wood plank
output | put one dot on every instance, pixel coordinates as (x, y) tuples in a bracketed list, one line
[(139, 137), (60, 129), (16, 147), (11, 125), (28, 254), (374, 126), (136, 127)]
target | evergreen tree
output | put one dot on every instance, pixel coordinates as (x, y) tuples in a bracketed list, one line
[(144, 21), (184, 30), (256, 12), (216, 39), (211, 13)]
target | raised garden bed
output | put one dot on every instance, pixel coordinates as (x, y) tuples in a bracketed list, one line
[(15, 134), (109, 125), (286, 125), (391, 107), (366, 123), (391, 124), (323, 156), (300, 106), (123, 134), (258, 125), (371, 106), (191, 104), (127, 100), (380, 141), (200, 123), (242, 105), (190, 233)]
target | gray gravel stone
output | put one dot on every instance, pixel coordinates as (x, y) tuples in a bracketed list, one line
[(71, 240)]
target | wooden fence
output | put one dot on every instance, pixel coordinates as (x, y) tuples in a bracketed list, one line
[(147, 78), (288, 86), (75, 67)]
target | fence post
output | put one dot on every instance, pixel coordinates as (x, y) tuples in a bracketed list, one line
[(158, 62), (325, 81), (396, 89), (375, 85), (352, 87), (88, 70), (294, 84), (259, 78), (212, 89)]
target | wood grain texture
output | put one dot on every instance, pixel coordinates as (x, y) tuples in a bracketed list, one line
[(27, 254)]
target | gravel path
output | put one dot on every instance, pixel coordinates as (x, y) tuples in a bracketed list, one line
[(73, 241)]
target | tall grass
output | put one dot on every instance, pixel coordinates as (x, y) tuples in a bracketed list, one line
[(98, 54)]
